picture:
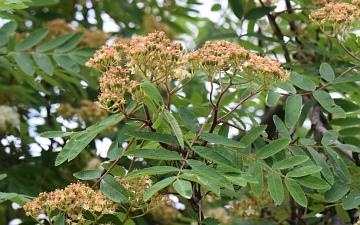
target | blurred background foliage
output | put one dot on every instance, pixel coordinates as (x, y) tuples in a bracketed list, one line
[(48, 87)]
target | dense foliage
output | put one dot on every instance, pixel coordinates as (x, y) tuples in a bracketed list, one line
[(250, 119)]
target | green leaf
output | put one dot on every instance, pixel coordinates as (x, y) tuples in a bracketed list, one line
[(258, 12), (296, 191), (6, 32), (312, 182), (24, 62), (273, 148), (158, 137), (66, 62), (211, 155), (54, 43), (216, 7), (219, 139), (192, 214), (156, 170), (151, 91), (158, 120), (175, 127), (2, 176), (114, 151), (210, 221), (209, 173), (72, 147), (280, 126), (34, 38), (109, 219), (347, 105), (338, 190), (342, 213), (38, 3), (122, 216), (113, 189), (292, 110), (189, 119), (6, 196), (349, 147), (329, 137), (290, 162), (272, 98), (183, 187), (203, 181), (236, 179), (339, 166), (60, 219), (302, 82), (70, 43), (44, 62), (154, 154), (326, 72), (328, 104), (116, 170), (87, 174), (352, 200), (325, 171), (304, 171), (348, 121), (286, 86), (237, 7), (351, 131), (315, 209), (54, 134), (275, 187), (157, 187), (252, 135), (86, 51), (255, 170)]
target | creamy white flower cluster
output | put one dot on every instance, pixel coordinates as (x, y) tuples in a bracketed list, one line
[(8, 115)]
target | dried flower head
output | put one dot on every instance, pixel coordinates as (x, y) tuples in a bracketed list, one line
[(340, 15), (115, 84), (230, 59), (74, 200), (221, 56), (156, 57)]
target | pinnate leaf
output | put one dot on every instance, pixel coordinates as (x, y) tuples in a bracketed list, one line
[(275, 187), (34, 38), (157, 187), (183, 187), (290, 162), (273, 148), (113, 189), (296, 191), (88, 174), (303, 171), (292, 110), (189, 119)]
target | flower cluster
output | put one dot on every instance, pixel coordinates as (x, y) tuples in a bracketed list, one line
[(74, 200), (137, 188), (340, 15), (231, 59), (157, 58), (115, 84), (8, 116)]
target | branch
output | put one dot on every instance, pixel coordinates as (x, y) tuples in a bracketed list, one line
[(318, 126)]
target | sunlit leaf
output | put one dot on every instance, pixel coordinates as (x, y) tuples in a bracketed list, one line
[(290, 162), (183, 187), (157, 187), (113, 189), (273, 148)]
